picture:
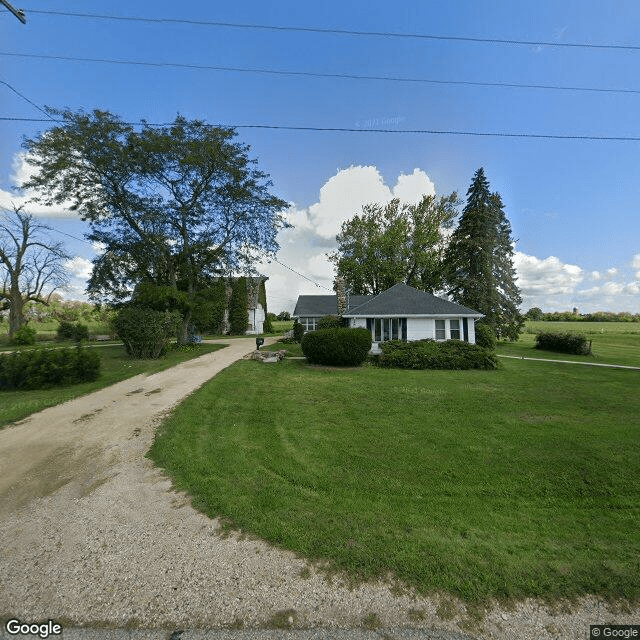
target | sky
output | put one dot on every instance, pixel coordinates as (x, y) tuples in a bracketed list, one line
[(572, 202)]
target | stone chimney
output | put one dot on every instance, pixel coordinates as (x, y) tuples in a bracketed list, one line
[(338, 286)]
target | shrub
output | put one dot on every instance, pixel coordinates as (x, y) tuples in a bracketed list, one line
[(146, 333), (69, 331), (485, 336), (238, 316), (337, 347), (329, 322), (428, 354), (298, 331), (24, 335), (563, 343), (267, 327), (42, 368)]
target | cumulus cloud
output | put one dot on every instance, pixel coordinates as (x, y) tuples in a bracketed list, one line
[(21, 172), (635, 263), (549, 276), (79, 267)]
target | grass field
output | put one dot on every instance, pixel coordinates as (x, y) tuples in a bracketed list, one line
[(520, 482), (116, 366)]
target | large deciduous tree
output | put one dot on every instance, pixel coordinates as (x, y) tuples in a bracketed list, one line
[(395, 243), (172, 205), (479, 260), (31, 264)]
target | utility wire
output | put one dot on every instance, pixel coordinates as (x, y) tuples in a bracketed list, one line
[(344, 32), (33, 104), (300, 274), (435, 132), (313, 74)]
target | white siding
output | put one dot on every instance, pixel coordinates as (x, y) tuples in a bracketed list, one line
[(259, 320), (420, 328)]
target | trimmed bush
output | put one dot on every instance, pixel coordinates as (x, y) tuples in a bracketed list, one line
[(337, 347), (146, 333), (43, 368), (70, 331), (267, 327), (429, 354), (486, 336), (298, 331), (329, 322), (24, 335), (563, 343)]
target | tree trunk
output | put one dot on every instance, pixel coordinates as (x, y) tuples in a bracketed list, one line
[(16, 304)]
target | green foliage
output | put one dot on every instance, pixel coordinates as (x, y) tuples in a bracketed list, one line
[(238, 314), (24, 335), (479, 261), (535, 313), (598, 316), (43, 368), (485, 336), (563, 343), (395, 243), (284, 316), (267, 327), (209, 307), (146, 333), (160, 298), (429, 354), (329, 322), (337, 347), (298, 331), (70, 331)]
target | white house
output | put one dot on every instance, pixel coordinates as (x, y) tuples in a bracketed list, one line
[(399, 313)]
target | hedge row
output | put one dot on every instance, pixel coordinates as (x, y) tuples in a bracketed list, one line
[(42, 368), (429, 354), (563, 343), (337, 347), (146, 333)]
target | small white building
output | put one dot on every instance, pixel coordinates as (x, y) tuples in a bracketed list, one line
[(399, 313)]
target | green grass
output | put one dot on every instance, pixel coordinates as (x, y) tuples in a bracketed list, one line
[(612, 342), (520, 482), (116, 366)]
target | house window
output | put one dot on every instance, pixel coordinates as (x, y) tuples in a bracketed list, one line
[(309, 324), (383, 329), (454, 326), (441, 331)]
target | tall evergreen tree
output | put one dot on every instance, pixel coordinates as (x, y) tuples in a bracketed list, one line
[(479, 261)]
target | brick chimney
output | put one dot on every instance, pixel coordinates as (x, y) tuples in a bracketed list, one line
[(338, 287)]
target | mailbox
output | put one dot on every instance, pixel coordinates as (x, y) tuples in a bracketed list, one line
[(259, 343)]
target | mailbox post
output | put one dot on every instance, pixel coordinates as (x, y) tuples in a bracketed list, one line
[(259, 343)]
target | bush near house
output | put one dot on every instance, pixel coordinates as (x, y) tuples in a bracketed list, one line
[(329, 322), (563, 343), (337, 347), (485, 336), (298, 331), (43, 368), (146, 333), (429, 354)]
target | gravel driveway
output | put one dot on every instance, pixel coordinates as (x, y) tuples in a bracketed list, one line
[(92, 535)]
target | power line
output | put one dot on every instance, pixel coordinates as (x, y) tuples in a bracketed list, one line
[(300, 274), (33, 104), (434, 132), (314, 74), (344, 32)]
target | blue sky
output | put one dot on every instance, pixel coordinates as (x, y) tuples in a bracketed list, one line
[(573, 204)]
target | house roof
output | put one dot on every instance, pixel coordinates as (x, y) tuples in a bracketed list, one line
[(403, 300), (325, 305)]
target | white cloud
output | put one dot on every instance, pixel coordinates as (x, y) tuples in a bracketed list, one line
[(549, 276), (10, 199), (596, 275), (79, 267), (635, 263), (411, 188)]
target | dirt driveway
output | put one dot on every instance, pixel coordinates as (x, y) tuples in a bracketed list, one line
[(92, 534)]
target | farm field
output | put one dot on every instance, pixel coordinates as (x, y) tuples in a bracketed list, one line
[(508, 484), (116, 366), (612, 342)]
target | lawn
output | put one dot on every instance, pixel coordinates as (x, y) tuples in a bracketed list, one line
[(520, 482), (116, 366)]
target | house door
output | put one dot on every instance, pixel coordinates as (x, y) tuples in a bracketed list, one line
[(465, 329)]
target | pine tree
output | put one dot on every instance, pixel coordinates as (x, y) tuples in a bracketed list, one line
[(479, 261)]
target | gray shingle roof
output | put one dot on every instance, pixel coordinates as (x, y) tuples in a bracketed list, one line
[(318, 306), (402, 300)]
